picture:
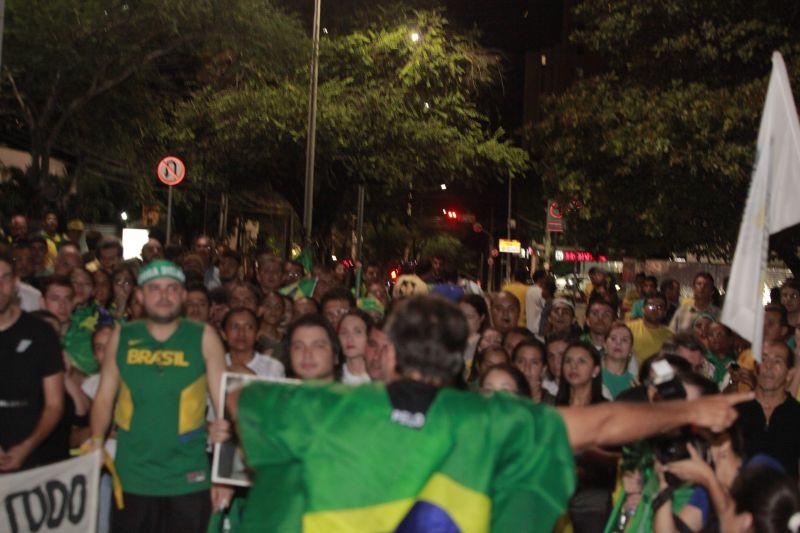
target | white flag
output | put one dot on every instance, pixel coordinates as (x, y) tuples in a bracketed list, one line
[(771, 207), (59, 497)]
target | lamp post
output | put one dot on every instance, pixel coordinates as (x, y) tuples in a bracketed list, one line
[(308, 201)]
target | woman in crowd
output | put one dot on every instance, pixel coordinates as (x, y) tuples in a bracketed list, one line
[(82, 286), (314, 349), (475, 309), (617, 355), (700, 327), (239, 331), (493, 355), (271, 312), (529, 358), (581, 385), (123, 284), (790, 299), (504, 378), (354, 331), (102, 288)]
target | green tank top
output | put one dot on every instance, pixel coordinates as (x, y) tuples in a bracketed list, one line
[(161, 411)]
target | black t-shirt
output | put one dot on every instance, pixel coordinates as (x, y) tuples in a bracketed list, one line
[(29, 352), (779, 439)]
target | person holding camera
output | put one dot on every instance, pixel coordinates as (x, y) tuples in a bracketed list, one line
[(713, 473)]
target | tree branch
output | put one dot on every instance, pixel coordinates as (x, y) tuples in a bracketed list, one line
[(23, 107), (97, 88)]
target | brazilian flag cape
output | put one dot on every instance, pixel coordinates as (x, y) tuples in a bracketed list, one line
[(333, 458)]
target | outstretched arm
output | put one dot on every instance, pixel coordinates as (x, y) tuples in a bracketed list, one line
[(612, 424)]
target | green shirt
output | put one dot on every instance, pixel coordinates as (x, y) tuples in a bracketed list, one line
[(78, 340), (332, 458), (616, 383), (720, 365), (161, 411)]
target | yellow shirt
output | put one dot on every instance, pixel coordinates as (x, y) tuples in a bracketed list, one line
[(647, 341)]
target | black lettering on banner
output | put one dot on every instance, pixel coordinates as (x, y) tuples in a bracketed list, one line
[(34, 524), (76, 516), (52, 487), (72, 503)]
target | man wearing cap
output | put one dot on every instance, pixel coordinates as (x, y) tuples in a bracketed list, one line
[(75, 230), (163, 368), (561, 317)]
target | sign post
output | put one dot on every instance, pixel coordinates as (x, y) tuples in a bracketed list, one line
[(171, 172)]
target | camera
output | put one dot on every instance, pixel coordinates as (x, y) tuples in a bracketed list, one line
[(673, 447)]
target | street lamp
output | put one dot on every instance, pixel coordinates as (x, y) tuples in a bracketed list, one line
[(308, 200), (124, 216), (415, 36)]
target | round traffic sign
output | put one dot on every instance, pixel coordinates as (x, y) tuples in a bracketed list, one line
[(555, 210), (171, 171), (495, 252)]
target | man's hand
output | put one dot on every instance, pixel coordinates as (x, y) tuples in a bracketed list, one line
[(716, 412), (220, 497), (13, 458), (219, 430)]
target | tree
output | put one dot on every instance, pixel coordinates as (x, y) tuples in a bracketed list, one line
[(659, 149), (394, 114), (89, 77)]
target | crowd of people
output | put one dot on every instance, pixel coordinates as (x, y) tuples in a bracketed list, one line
[(128, 355)]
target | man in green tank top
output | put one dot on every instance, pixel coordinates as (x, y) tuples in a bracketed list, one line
[(160, 371)]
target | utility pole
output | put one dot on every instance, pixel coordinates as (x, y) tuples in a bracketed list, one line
[(308, 203)]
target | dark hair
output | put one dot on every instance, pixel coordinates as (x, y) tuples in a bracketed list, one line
[(789, 352), (429, 335), (598, 299), (219, 295), (314, 321), (530, 343), (523, 387), (657, 296), (781, 310), (254, 289), (197, 287), (108, 244), (704, 274), (562, 398), (665, 284), (310, 299), (563, 336), (477, 362), (5, 257), (368, 322), (338, 293), (519, 330), (652, 279), (237, 310), (539, 274), (124, 267), (232, 254), (769, 495), (62, 281), (791, 283), (100, 328), (688, 340), (479, 304)]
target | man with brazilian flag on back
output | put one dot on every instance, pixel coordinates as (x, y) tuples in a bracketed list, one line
[(417, 455)]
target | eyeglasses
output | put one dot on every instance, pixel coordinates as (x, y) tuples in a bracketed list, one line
[(655, 307), (600, 314), (123, 283)]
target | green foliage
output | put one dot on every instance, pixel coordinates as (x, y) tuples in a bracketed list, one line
[(659, 149), (391, 113)]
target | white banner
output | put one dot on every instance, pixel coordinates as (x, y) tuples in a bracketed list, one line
[(60, 497)]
